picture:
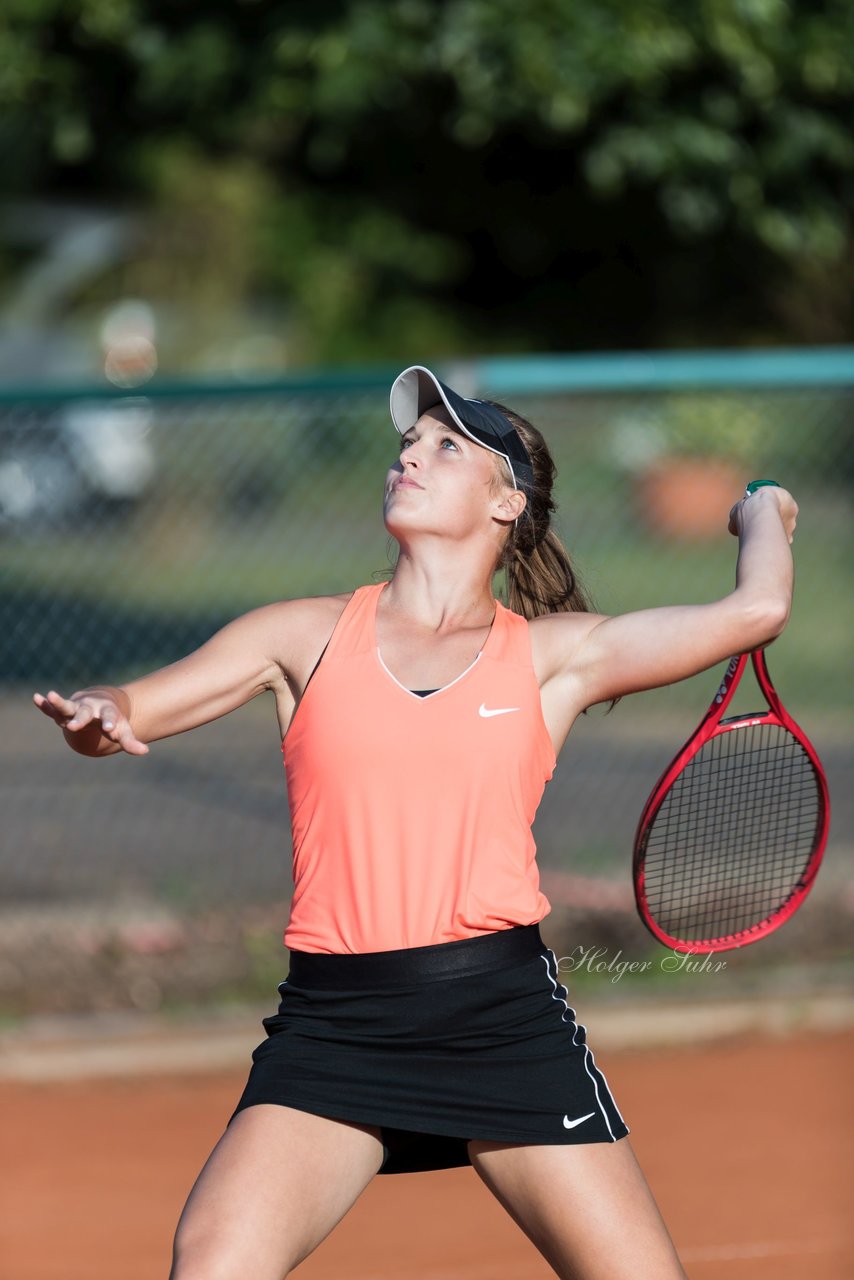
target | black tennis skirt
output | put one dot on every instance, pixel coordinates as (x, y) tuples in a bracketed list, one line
[(436, 1046)]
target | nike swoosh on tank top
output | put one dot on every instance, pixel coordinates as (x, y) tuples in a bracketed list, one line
[(411, 816)]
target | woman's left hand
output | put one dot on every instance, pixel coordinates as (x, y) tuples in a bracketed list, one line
[(760, 500)]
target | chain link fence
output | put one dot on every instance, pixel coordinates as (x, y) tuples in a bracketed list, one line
[(132, 527)]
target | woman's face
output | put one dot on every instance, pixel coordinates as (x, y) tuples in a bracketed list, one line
[(442, 483)]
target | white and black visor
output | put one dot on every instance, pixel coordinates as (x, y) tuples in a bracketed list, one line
[(417, 389)]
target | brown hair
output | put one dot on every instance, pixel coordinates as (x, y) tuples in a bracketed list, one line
[(539, 573)]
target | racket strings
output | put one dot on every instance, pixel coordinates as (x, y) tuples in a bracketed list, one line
[(733, 835)]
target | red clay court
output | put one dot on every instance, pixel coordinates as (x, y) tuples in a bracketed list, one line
[(746, 1145)]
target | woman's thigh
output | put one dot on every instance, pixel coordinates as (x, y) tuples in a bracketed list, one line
[(586, 1207), (275, 1185)]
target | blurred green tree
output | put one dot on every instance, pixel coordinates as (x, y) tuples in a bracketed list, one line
[(440, 175)]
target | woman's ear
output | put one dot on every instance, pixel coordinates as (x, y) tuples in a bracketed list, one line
[(510, 505)]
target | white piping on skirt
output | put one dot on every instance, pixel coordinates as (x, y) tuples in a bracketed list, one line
[(589, 1060)]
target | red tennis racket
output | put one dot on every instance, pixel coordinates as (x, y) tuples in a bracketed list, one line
[(732, 836)]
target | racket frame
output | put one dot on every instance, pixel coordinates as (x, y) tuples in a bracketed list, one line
[(712, 725)]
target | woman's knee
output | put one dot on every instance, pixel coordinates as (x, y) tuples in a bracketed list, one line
[(205, 1259), (217, 1258)]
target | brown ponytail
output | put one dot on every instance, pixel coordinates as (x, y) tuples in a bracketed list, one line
[(539, 574)]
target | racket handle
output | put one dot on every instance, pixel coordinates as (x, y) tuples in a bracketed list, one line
[(757, 484)]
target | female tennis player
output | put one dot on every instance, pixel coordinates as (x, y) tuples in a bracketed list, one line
[(423, 1023)]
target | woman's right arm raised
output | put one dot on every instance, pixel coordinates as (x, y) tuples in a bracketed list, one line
[(255, 652)]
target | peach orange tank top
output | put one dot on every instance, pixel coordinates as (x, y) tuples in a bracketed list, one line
[(411, 816)]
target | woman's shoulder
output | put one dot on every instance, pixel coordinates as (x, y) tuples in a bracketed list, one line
[(307, 613), (306, 620), (292, 632), (555, 637)]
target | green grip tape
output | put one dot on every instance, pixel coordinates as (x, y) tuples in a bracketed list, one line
[(757, 484)]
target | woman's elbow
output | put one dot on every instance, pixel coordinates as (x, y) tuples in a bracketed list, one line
[(766, 619)]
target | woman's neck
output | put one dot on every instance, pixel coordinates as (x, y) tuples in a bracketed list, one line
[(440, 595)]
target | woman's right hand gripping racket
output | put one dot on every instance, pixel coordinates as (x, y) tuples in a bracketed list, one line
[(731, 838)]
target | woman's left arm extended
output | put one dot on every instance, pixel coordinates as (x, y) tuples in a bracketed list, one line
[(610, 657)]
